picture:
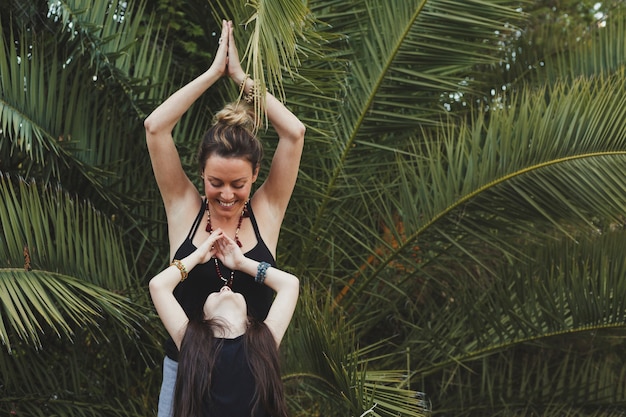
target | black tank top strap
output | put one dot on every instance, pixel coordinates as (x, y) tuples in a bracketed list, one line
[(254, 225), (196, 223)]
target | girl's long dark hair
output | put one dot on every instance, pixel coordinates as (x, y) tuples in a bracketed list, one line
[(195, 362), (196, 359), (263, 358)]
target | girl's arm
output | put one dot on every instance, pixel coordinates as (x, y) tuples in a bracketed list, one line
[(287, 287), (162, 287)]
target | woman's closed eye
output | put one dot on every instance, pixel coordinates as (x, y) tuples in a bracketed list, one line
[(237, 185)]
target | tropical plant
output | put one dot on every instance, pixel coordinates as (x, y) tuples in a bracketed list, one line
[(76, 324), (457, 223)]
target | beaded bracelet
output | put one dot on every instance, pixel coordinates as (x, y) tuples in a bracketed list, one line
[(260, 272), (254, 90), (253, 94), (183, 271), (242, 86)]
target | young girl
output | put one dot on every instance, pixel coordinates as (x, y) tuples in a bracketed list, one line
[(228, 360)]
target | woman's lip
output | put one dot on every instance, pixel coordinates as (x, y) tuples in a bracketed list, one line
[(225, 204)]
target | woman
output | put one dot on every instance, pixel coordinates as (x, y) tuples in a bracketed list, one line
[(229, 160), (228, 360)]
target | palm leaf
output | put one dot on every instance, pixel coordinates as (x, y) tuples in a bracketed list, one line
[(341, 378), (75, 255), (53, 138), (428, 218), (564, 324), (65, 298)]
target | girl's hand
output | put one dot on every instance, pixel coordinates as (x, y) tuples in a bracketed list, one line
[(234, 70), (229, 252), (220, 62), (208, 248)]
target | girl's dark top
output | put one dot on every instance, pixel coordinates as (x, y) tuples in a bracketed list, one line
[(203, 280), (232, 385)]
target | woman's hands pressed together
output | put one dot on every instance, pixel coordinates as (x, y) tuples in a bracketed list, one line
[(226, 60), (234, 69), (220, 61)]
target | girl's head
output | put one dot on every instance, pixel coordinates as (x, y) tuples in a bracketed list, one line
[(227, 307), (229, 158)]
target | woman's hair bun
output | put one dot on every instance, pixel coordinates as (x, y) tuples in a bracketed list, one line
[(239, 114)]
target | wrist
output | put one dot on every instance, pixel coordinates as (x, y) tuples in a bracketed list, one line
[(261, 271), (181, 265), (247, 266), (245, 84), (240, 79), (249, 90), (191, 260), (211, 75)]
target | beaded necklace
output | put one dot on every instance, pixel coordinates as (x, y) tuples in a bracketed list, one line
[(228, 282)]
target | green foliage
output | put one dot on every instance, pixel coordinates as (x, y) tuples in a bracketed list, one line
[(77, 327), (191, 30)]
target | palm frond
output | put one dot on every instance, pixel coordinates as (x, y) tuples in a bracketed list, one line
[(63, 263), (364, 123), (105, 32), (73, 383), (52, 137), (473, 185), (444, 215), (342, 378)]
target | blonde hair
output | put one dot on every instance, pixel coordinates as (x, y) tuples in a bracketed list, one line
[(237, 113)]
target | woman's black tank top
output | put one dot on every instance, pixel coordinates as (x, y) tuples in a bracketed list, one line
[(203, 280)]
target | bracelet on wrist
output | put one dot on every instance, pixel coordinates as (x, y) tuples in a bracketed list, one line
[(261, 271), (242, 85), (253, 94), (183, 271)]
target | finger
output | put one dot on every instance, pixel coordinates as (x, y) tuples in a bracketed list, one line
[(223, 40), (231, 40), (213, 237), (220, 243)]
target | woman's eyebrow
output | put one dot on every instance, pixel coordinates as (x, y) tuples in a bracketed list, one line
[(242, 179)]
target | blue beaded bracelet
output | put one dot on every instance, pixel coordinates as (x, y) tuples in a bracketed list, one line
[(260, 272)]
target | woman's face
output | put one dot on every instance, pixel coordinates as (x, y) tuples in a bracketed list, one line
[(227, 183)]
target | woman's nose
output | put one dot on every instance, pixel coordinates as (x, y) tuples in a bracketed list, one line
[(227, 194)]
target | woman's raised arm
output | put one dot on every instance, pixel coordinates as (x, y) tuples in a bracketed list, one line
[(275, 193), (173, 183)]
